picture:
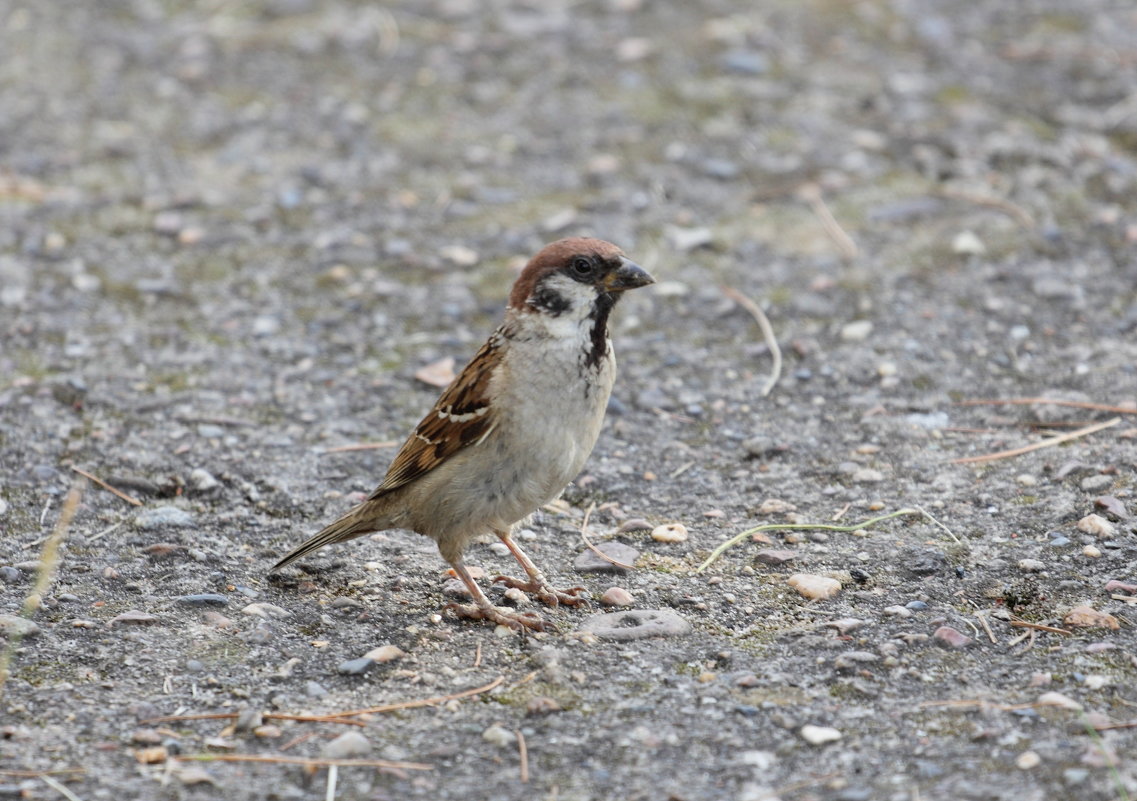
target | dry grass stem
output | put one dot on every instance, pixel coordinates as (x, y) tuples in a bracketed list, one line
[(811, 194), (523, 754), (423, 702), (768, 336), (1026, 624), (1081, 432), (1099, 407), (986, 627), (333, 776), (59, 787), (48, 561), (310, 762), (1020, 215), (112, 490), (944, 528), (593, 548)]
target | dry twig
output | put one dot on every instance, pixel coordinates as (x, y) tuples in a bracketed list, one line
[(523, 753), (1098, 407), (1021, 215), (116, 492), (310, 762), (593, 548), (423, 702), (768, 336), (48, 561), (811, 194), (1026, 624), (1081, 432)]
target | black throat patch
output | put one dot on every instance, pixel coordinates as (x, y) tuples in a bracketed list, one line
[(599, 333)]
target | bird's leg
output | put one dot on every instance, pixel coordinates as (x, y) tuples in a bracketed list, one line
[(537, 583), (483, 609)]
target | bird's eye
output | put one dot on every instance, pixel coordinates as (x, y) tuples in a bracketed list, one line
[(581, 266)]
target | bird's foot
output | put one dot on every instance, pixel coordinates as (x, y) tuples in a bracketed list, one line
[(546, 592), (520, 621)]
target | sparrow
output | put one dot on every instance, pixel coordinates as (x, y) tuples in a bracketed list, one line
[(513, 429)]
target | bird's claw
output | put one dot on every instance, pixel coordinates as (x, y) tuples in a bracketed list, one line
[(550, 595), (519, 621)]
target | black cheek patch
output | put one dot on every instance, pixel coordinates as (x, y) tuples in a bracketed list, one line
[(550, 301)]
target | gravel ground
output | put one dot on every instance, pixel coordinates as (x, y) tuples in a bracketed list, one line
[(232, 233)]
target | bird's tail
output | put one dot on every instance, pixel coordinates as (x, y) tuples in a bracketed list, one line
[(359, 521)]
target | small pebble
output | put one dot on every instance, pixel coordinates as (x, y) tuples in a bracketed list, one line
[(10, 575), (856, 331), (617, 596), (867, 475), (163, 517), (314, 689), (685, 239), (1092, 551), (203, 599), (1088, 617), (1059, 700), (916, 606), (1112, 506), (266, 611), (1026, 480), (814, 587), (897, 611), (542, 705), (1113, 585), (202, 480), (951, 638), (1098, 526), (774, 556), (347, 745), (15, 626), (590, 562), (517, 597), (819, 735), (966, 243), (1031, 566), (133, 617), (846, 625), (671, 532), (1096, 483), (636, 625), (356, 667), (499, 736), (385, 653), (1027, 760)]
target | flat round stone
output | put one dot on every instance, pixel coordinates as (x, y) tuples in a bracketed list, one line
[(636, 624)]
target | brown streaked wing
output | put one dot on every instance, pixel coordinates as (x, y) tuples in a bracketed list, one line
[(461, 417)]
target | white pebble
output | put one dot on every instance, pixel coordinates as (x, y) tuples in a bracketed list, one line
[(1092, 551), (385, 653), (814, 587), (1059, 700), (616, 596), (966, 243), (1097, 525), (856, 331), (672, 532), (499, 736), (1026, 480), (819, 735), (1027, 760), (347, 745)]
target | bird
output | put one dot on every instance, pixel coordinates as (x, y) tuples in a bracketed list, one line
[(514, 427)]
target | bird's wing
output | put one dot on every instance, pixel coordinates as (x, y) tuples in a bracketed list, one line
[(462, 417)]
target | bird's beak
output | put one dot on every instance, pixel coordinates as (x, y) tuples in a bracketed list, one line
[(628, 276)]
